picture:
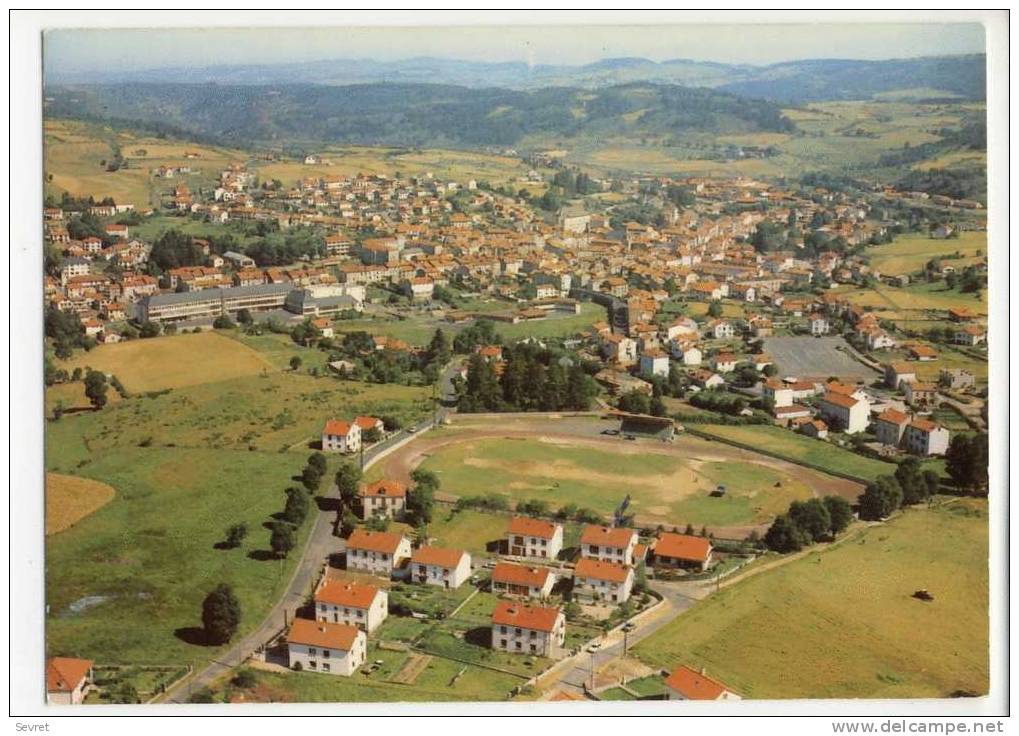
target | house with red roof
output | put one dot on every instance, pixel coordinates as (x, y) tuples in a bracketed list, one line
[(924, 437), (594, 580), (533, 630), (527, 537), (319, 646), (383, 498), (68, 680), (520, 580), (608, 544), (682, 550), (845, 413), (446, 568), (378, 553), (341, 436), (354, 604), (685, 683)]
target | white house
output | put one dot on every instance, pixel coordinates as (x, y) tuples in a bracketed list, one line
[(318, 646), (654, 362), (528, 582), (378, 553), (685, 683), (724, 362), (818, 324), (721, 329), (68, 680), (924, 437), (686, 351), (354, 604), (608, 544), (528, 537), (682, 550), (779, 393), (447, 568), (845, 413), (340, 436), (602, 581), (524, 629), (384, 497), (621, 349), (889, 426)]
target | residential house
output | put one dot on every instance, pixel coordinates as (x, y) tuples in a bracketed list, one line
[(682, 550), (956, 379), (354, 604), (685, 683), (815, 428), (889, 426), (706, 379), (378, 553), (383, 498), (924, 437), (970, 335), (922, 353), (620, 349), (595, 580), (317, 646), (724, 362), (446, 568), (721, 329), (921, 395), (528, 537), (68, 680), (532, 630), (818, 324), (844, 413), (527, 582), (897, 373), (609, 544), (778, 393), (340, 436), (654, 362)]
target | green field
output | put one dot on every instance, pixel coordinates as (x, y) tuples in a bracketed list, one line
[(914, 301), (662, 485), (467, 529), (797, 448), (907, 254), (842, 622)]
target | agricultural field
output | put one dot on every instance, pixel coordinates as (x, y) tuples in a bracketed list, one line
[(70, 499), (915, 301), (948, 357), (908, 254), (665, 486), (172, 361), (797, 448), (851, 604)]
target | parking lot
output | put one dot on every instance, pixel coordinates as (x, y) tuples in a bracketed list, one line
[(816, 358)]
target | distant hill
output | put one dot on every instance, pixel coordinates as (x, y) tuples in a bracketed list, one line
[(417, 114), (788, 82)]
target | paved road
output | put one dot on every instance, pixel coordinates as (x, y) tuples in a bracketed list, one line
[(321, 543)]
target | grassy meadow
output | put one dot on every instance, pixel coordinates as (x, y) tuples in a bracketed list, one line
[(842, 622), (70, 499), (908, 254)]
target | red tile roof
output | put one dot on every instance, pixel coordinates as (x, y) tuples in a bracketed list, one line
[(615, 573), (604, 536), (64, 674), (538, 618), (338, 593), (892, 416), (683, 547), (692, 685), (528, 527), (337, 428), (506, 572), (440, 556), (322, 634), (386, 488), (367, 422), (374, 541), (846, 402)]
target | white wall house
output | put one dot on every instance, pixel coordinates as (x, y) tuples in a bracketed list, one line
[(527, 582), (532, 630), (317, 646), (446, 568), (340, 436), (924, 437), (378, 553), (383, 498), (686, 683), (534, 538), (602, 581), (608, 544), (68, 680), (654, 362), (354, 604), (845, 413)]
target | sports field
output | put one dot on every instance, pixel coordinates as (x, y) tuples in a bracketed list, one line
[(70, 499), (664, 486), (173, 361), (907, 254), (842, 622)]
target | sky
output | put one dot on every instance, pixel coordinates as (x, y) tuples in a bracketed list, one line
[(80, 50)]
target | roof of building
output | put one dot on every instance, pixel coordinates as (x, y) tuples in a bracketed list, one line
[(438, 556), (367, 422), (527, 527), (892, 416), (189, 297), (604, 536), (846, 402), (683, 547), (507, 572), (64, 674), (611, 571), (337, 428), (322, 634), (339, 593), (924, 425), (539, 618), (374, 541), (385, 488), (694, 685)]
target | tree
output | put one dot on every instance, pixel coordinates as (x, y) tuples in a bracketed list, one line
[(932, 481), (715, 310), (245, 678), (370, 436), (657, 407), (785, 536), (235, 534), (95, 388), (124, 692), (221, 614), (811, 517), (149, 329), (311, 477), (318, 460), (881, 497), (282, 539), (439, 348), (911, 480), (296, 509), (391, 423), (840, 513), (377, 523), (348, 522), (635, 402), (347, 479), (640, 579), (421, 500), (966, 461), (244, 317), (295, 362)]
